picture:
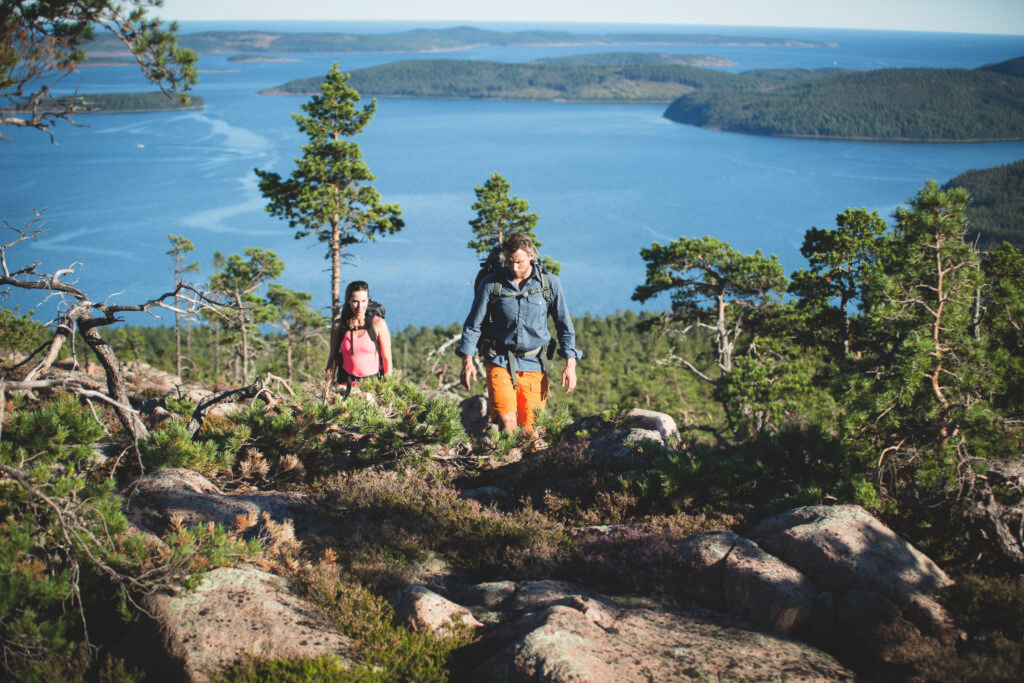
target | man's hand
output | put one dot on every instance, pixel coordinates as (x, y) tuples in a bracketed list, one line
[(468, 373), (569, 375)]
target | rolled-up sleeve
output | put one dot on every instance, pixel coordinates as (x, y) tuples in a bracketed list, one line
[(471, 329)]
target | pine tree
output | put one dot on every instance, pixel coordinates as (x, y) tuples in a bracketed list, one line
[(328, 194), (179, 247), (498, 215), (237, 279)]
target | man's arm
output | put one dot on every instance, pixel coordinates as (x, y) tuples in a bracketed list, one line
[(569, 375), (468, 373), (564, 329), (471, 330)]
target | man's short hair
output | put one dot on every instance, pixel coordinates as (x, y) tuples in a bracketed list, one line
[(517, 241)]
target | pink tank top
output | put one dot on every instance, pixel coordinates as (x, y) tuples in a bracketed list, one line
[(359, 354)]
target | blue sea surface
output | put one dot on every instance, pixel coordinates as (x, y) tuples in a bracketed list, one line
[(606, 180)]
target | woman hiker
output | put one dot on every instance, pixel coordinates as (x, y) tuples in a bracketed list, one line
[(360, 345)]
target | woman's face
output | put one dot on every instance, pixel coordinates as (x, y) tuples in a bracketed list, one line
[(357, 302)]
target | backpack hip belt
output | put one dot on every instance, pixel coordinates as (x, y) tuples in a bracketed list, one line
[(538, 353)]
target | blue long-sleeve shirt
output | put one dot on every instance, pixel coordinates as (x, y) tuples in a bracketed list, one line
[(519, 323)]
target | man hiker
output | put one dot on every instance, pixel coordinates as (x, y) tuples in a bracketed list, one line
[(507, 327)]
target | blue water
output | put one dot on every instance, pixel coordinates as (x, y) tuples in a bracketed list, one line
[(606, 180)]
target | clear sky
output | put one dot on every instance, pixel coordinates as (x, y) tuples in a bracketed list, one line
[(958, 16)]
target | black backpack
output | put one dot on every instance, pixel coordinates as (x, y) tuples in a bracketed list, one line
[(494, 262), (373, 308)]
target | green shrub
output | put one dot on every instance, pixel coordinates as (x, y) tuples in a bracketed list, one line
[(399, 422), (173, 446), (990, 610), (57, 530), (800, 464), (389, 652), (328, 669), (203, 547)]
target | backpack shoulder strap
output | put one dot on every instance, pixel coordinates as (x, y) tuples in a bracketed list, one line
[(545, 283)]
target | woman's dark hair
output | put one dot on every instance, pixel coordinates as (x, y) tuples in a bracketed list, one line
[(354, 286)]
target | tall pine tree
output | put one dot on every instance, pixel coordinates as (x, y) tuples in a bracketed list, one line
[(328, 194)]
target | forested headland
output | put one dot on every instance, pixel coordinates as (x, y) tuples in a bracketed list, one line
[(956, 105), (996, 211), (615, 80), (119, 103)]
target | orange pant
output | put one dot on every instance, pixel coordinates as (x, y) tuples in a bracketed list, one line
[(504, 399)]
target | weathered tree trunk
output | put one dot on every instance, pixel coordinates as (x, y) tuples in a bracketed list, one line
[(81, 315), (1000, 526), (336, 302)]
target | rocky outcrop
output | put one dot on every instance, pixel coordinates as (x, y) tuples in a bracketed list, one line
[(424, 610), (562, 632), (153, 499), (614, 443), (662, 423), (233, 614), (834, 576)]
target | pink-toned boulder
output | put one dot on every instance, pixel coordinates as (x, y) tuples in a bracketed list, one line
[(766, 590), (563, 636), (844, 546), (155, 497), (424, 610), (880, 607), (234, 614), (731, 574)]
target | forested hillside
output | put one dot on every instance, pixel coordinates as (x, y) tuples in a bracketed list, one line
[(1012, 67), (543, 81), (887, 104), (996, 211), (121, 103)]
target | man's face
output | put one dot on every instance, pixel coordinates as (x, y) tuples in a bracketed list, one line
[(519, 264)]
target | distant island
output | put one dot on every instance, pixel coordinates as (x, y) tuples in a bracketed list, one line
[(622, 58), (609, 77), (996, 211), (426, 40), (120, 103), (936, 105), (259, 58)]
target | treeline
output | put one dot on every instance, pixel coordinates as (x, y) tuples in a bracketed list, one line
[(620, 367), (110, 103), (541, 81), (888, 104), (429, 40), (996, 211)]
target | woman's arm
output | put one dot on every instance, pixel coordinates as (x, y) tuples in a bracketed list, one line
[(334, 345), (384, 337)]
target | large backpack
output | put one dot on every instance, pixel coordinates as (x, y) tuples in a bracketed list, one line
[(373, 309), (488, 346), (494, 262)]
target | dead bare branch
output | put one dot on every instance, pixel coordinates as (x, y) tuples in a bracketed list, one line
[(248, 392)]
